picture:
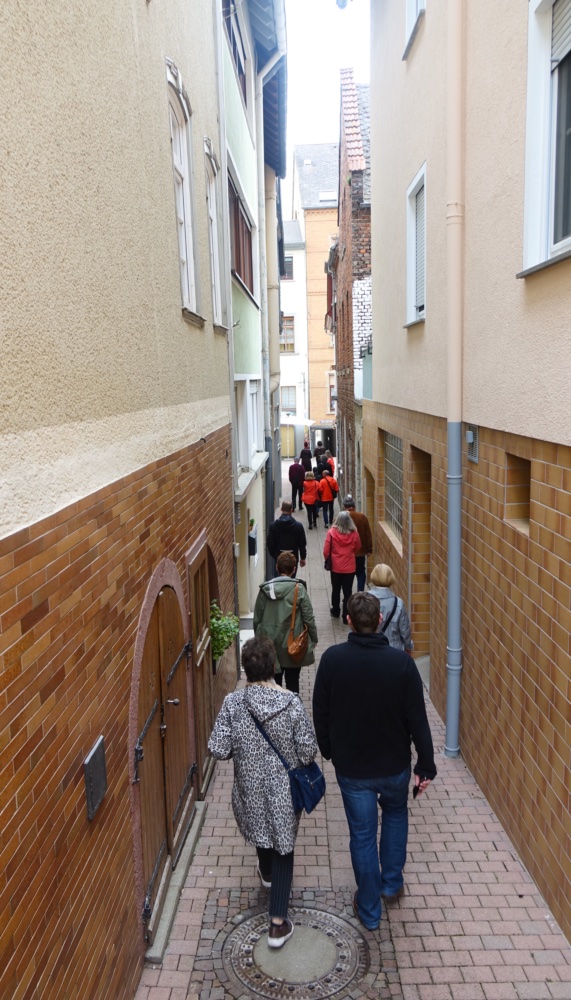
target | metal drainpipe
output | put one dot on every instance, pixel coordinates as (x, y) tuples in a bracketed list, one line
[(268, 437), (454, 241)]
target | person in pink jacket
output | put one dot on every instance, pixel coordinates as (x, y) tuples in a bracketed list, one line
[(342, 542)]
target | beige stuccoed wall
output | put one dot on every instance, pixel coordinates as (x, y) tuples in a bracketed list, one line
[(320, 232), (517, 370), (100, 373), (408, 108)]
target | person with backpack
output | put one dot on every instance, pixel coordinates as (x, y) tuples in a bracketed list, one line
[(396, 623), (328, 490), (285, 534)]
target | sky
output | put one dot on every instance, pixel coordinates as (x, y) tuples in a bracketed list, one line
[(322, 39)]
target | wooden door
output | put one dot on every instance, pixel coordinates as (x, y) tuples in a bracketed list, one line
[(198, 588), (163, 752), (179, 766), (288, 441), (150, 772)]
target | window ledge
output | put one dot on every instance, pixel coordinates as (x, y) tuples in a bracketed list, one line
[(413, 34), (414, 322), (193, 318), (519, 523), (565, 255), (244, 288), (248, 476), (222, 330), (393, 539)]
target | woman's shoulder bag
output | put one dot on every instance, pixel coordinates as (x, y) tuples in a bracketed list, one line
[(297, 646), (307, 784)]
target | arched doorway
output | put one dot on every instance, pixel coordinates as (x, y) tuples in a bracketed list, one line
[(163, 763)]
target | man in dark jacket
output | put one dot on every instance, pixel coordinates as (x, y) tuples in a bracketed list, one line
[(368, 703), (296, 478), (285, 534), (364, 528)]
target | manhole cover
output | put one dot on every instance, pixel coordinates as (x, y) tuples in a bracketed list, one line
[(324, 955)]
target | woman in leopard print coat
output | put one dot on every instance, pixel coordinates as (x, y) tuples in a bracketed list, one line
[(261, 797)]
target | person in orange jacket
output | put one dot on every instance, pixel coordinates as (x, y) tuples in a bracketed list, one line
[(328, 490), (310, 498)]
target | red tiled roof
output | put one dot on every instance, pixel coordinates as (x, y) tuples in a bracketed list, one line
[(351, 124)]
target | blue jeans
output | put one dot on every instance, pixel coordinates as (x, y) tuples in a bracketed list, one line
[(361, 571), (360, 796)]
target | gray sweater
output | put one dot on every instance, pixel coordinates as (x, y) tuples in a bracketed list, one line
[(398, 631)]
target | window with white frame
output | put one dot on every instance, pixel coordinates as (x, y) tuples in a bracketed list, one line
[(414, 11), (254, 417), (416, 248), (547, 212), (331, 392), (287, 335), (288, 399), (288, 269), (240, 239), (179, 120), (212, 175), (235, 40)]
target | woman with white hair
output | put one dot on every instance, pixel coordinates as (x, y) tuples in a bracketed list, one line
[(396, 623), (342, 541)]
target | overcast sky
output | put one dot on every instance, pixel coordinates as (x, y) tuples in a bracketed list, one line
[(321, 40)]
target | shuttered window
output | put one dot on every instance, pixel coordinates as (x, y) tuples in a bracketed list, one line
[(561, 30), (561, 63), (419, 249)]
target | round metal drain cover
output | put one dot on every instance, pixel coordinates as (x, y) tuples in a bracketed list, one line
[(323, 957)]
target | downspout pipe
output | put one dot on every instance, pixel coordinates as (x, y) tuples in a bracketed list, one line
[(454, 254), (266, 374)]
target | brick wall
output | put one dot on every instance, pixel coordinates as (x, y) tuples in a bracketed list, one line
[(515, 724), (71, 590)]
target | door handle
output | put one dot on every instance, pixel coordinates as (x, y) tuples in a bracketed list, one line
[(173, 701)]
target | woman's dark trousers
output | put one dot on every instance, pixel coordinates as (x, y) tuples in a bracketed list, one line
[(277, 869), (340, 582)]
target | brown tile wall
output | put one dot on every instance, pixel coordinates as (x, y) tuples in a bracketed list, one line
[(515, 724), (71, 589)]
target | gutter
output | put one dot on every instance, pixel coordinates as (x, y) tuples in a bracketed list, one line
[(454, 295)]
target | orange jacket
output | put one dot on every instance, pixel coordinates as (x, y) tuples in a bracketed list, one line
[(310, 491), (325, 491)]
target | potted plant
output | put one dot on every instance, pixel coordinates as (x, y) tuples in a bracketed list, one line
[(223, 630)]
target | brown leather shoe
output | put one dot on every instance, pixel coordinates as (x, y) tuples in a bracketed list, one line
[(280, 933)]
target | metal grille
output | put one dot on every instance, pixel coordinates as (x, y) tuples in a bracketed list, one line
[(472, 440), (393, 483)]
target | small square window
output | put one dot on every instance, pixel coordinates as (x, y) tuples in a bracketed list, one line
[(288, 269)]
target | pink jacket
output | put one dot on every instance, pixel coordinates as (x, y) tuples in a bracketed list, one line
[(343, 549)]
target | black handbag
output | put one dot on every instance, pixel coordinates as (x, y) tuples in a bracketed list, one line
[(327, 560), (307, 784)]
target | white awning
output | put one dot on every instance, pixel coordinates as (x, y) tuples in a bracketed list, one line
[(295, 421)]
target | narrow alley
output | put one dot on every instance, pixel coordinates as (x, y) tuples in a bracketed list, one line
[(471, 925)]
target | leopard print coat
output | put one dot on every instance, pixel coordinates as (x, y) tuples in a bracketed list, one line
[(261, 797)]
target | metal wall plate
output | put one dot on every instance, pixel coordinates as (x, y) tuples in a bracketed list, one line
[(95, 777)]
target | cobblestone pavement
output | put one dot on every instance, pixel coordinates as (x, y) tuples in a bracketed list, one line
[(471, 925)]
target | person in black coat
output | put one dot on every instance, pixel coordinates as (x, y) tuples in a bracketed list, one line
[(305, 456), (285, 534), (296, 477), (368, 705)]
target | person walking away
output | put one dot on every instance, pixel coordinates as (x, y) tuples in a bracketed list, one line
[(341, 543), (328, 490), (310, 497), (362, 525), (319, 450), (305, 456), (318, 473), (272, 617), (285, 534), (261, 796), (396, 623), (296, 475), (368, 704), (328, 459)]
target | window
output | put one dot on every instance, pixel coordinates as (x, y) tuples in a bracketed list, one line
[(288, 269), (414, 12), (518, 492), (179, 119), (230, 15), (240, 239), (393, 483), (332, 393), (254, 417), (547, 217), (416, 248), (214, 242), (287, 335), (288, 399)]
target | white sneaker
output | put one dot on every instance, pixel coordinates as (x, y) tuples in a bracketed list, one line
[(280, 933), (266, 885)]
